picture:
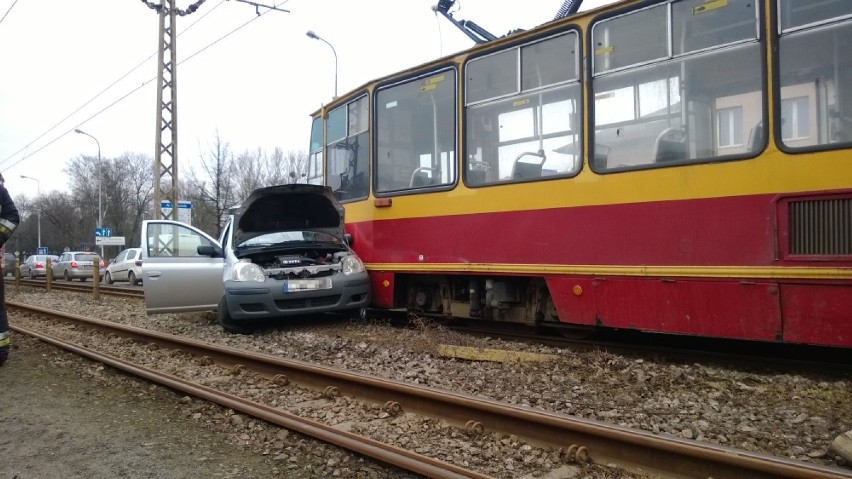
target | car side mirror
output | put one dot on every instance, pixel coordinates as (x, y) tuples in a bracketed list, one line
[(210, 250), (347, 238)]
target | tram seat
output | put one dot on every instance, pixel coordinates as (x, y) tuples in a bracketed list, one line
[(756, 138), (476, 177), (670, 146), (422, 176), (526, 171)]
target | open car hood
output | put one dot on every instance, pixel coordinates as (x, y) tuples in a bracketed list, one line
[(289, 208)]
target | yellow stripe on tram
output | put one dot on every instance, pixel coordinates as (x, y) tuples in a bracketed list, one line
[(761, 272)]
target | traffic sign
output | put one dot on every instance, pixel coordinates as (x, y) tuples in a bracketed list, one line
[(109, 241), (184, 210), (41, 250), (103, 232)]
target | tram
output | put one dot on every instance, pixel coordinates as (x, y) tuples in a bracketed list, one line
[(673, 166)]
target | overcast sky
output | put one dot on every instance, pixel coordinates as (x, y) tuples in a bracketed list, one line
[(92, 65)]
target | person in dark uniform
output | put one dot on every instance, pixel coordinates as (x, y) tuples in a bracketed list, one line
[(9, 219)]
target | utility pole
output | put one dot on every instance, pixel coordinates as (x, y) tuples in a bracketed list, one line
[(166, 183), (166, 153)]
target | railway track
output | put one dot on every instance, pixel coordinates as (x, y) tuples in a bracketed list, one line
[(789, 357), (586, 440), (84, 287)]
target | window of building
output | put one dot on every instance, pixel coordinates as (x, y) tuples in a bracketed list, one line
[(795, 119), (730, 127)]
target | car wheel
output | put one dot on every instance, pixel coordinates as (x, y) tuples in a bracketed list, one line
[(67, 276), (32, 274), (131, 278), (108, 278), (229, 324)]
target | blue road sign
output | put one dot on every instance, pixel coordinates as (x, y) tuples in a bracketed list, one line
[(41, 250), (103, 232)]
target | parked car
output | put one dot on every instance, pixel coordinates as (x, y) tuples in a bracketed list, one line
[(282, 254), (127, 266), (8, 264), (35, 265), (76, 265)]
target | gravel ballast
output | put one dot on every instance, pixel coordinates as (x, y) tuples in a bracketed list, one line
[(778, 413)]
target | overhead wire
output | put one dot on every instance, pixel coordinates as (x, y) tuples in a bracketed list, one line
[(7, 11), (146, 82), (98, 95)]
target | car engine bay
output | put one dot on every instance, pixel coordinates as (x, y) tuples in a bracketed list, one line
[(307, 263)]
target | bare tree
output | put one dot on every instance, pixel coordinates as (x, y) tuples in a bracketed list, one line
[(284, 168), (86, 189), (26, 234), (214, 186), (249, 174), (131, 189), (62, 224)]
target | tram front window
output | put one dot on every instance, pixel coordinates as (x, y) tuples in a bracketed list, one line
[(348, 141)]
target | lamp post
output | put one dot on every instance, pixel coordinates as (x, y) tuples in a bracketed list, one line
[(313, 35), (38, 192), (99, 179)]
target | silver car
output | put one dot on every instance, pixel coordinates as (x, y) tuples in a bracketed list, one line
[(127, 266), (282, 254), (35, 265), (76, 265)]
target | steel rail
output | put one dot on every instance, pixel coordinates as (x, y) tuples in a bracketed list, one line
[(85, 288), (383, 452), (631, 449)]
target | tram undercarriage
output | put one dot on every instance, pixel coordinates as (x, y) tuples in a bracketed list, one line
[(508, 299)]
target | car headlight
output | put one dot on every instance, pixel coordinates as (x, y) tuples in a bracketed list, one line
[(352, 264), (247, 272)]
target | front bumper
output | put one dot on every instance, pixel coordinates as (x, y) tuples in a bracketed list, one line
[(269, 300)]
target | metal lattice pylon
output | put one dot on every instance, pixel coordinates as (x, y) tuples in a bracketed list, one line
[(166, 158)]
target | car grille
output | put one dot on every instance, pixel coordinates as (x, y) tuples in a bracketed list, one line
[(304, 303)]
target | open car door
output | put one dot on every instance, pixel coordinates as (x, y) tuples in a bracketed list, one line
[(182, 268)]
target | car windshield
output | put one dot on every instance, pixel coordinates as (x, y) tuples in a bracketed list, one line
[(84, 257), (288, 237)]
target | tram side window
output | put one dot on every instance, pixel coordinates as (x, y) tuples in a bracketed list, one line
[(347, 134), (700, 102), (314, 173), (816, 73), (529, 128), (415, 134)]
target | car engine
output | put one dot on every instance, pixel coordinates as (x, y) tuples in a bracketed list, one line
[(311, 263)]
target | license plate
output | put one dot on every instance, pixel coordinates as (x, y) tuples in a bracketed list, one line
[(294, 285)]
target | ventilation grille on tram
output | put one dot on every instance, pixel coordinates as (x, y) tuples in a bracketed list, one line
[(821, 227)]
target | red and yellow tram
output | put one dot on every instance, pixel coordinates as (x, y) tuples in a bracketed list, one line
[(676, 166)]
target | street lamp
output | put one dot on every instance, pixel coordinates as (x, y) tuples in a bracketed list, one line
[(38, 191), (313, 35), (99, 179)]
